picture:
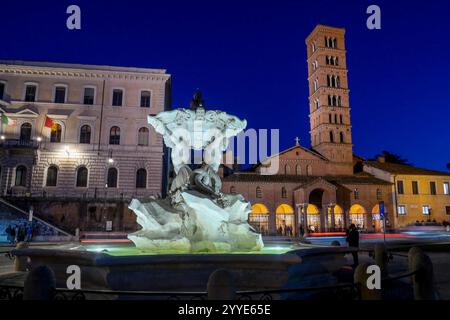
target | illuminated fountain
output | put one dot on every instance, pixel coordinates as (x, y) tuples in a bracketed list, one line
[(196, 216)]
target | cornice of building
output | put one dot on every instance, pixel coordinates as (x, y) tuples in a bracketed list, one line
[(49, 69)]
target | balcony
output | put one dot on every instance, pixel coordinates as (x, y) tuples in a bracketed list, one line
[(19, 144)]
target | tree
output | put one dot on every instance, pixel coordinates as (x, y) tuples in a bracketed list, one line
[(393, 158)]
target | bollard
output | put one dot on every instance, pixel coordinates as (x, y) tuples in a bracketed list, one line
[(423, 279), (335, 243), (221, 285), (381, 258), (360, 278), (20, 263), (40, 284)]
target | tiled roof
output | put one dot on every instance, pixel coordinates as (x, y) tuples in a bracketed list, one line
[(404, 169), (351, 179)]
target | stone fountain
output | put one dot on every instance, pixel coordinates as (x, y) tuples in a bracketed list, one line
[(196, 216)]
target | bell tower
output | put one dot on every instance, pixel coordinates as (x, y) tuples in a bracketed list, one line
[(329, 107)]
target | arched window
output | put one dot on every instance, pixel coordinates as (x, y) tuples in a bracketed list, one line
[(258, 192), (298, 168), (25, 132), (82, 177), (341, 119), (287, 169), (114, 135), (335, 118), (85, 134), (112, 178), (143, 135), (341, 137), (309, 171), (283, 192), (21, 176), (329, 118), (141, 178), (331, 136), (52, 176), (55, 134), (233, 190)]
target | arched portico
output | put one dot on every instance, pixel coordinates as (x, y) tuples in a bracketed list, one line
[(285, 220), (259, 218)]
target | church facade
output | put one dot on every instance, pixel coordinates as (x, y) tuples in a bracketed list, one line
[(327, 187)]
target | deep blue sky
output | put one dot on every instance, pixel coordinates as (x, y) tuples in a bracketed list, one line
[(249, 58)]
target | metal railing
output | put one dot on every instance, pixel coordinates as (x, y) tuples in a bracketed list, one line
[(343, 291)]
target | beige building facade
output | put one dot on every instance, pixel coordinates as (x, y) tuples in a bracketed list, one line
[(75, 142)]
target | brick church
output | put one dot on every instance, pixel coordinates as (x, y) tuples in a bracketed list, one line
[(327, 187)]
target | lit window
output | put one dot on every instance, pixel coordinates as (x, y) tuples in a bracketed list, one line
[(117, 97), (402, 210), (233, 190), (446, 188), (426, 210)]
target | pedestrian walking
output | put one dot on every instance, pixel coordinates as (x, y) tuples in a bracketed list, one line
[(353, 242)]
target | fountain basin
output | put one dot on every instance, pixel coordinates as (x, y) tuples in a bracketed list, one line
[(126, 269)]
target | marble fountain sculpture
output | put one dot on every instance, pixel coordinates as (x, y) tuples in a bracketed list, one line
[(196, 216)]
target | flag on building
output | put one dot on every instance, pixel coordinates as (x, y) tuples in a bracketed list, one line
[(49, 123), (7, 120)]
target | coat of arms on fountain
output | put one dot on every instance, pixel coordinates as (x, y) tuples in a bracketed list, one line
[(196, 216)]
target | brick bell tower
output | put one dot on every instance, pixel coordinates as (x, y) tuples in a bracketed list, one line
[(329, 104)]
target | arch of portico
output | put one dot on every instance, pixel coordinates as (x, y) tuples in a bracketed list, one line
[(318, 196)]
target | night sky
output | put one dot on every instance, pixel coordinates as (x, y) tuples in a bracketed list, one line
[(249, 58)]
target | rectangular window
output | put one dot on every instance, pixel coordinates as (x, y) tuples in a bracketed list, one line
[(433, 188), (356, 194), (117, 97), (145, 99), (30, 93), (2, 90), (400, 187), (60, 94), (426, 210), (415, 187), (446, 188), (402, 209), (447, 210), (89, 96)]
